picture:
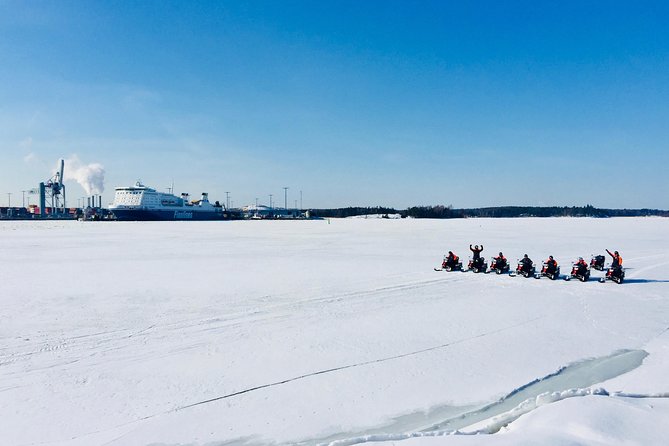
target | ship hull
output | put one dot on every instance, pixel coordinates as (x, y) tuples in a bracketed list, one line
[(170, 215)]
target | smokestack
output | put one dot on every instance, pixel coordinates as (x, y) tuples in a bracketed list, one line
[(100, 201), (62, 168), (42, 199), (89, 201)]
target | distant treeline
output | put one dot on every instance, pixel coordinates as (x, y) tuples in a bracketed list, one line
[(351, 212), (491, 212)]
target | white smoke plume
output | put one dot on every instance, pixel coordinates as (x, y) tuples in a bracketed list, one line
[(90, 176)]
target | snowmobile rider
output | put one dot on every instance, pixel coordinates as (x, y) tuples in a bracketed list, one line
[(476, 256), (500, 261), (526, 263), (617, 260), (451, 260), (617, 263), (581, 266), (551, 265)]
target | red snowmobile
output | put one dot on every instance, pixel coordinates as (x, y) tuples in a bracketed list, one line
[(500, 266), (525, 269), (580, 271), (455, 265), (478, 266), (615, 274), (552, 273)]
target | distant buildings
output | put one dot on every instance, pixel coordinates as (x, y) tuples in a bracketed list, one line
[(262, 212)]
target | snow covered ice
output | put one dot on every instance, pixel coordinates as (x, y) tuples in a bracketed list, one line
[(329, 332)]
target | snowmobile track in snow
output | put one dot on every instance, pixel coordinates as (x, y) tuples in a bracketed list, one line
[(360, 364)]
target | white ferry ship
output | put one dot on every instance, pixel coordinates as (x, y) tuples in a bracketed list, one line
[(139, 203)]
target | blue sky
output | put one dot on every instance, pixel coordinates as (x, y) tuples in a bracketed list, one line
[(354, 103)]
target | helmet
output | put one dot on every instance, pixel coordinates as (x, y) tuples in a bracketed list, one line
[(550, 257), (450, 252), (500, 254), (525, 256), (615, 252), (580, 258)]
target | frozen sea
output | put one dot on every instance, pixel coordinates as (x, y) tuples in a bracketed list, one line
[(329, 332)]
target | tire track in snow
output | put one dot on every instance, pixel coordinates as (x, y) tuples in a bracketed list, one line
[(305, 376), (251, 316), (24, 350), (269, 313), (257, 314), (83, 342), (650, 267), (359, 364), (71, 346)]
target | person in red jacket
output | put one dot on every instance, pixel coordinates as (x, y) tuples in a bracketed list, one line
[(551, 265), (581, 266), (451, 261), (500, 261)]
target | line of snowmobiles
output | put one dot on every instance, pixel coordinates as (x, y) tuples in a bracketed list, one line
[(579, 269)]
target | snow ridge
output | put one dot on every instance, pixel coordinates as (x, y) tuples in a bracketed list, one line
[(551, 388), (494, 424)]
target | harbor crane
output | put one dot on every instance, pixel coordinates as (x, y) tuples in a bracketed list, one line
[(53, 193)]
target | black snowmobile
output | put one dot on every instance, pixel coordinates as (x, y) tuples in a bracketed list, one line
[(525, 269), (579, 271), (550, 272), (478, 266), (597, 262), (500, 267), (615, 274)]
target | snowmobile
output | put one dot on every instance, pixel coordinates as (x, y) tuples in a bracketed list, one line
[(597, 262), (615, 274), (550, 274), (446, 267), (580, 272), (525, 271), (478, 266), (499, 269)]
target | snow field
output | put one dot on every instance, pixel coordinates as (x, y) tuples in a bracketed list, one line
[(315, 332)]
